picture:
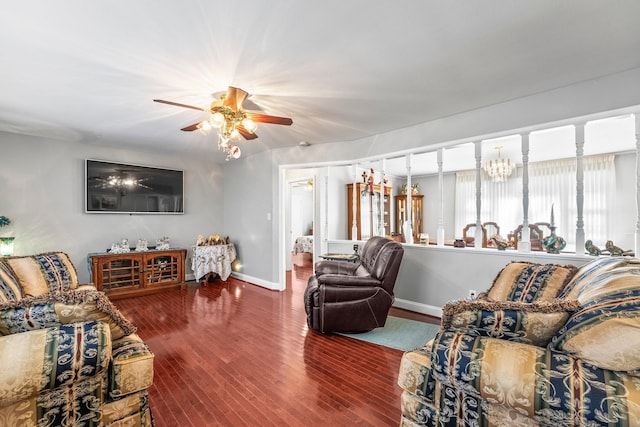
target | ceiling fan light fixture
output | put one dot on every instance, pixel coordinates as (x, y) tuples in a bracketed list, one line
[(234, 135), (204, 127), (226, 115), (235, 151), (249, 125), (217, 119)]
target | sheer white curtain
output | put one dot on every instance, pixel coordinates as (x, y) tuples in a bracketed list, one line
[(501, 202), (550, 183)]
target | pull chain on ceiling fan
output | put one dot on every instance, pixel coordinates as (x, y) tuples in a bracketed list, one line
[(228, 116)]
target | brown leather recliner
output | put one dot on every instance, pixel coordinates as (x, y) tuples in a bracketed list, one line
[(354, 297)]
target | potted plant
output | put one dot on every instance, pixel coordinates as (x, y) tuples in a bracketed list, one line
[(6, 243)]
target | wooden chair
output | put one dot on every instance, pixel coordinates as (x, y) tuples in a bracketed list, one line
[(491, 229), (545, 227), (469, 237), (535, 236)]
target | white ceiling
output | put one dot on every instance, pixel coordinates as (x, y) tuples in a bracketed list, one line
[(342, 70)]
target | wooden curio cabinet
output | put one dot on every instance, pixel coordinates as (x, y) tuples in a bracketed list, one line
[(367, 210), (416, 214), (138, 273)]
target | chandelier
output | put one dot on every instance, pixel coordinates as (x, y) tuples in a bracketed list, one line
[(227, 120), (500, 168)]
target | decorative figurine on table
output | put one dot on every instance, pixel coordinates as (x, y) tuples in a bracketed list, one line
[(553, 244), (142, 245), (591, 248), (500, 242), (212, 240), (162, 243), (617, 251)]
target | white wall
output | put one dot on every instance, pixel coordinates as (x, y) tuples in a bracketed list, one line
[(615, 92), (42, 182), (251, 216)]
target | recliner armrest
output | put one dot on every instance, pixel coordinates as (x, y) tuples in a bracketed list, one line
[(336, 267), (345, 280)]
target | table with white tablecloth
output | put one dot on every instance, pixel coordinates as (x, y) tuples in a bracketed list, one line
[(213, 259), (303, 244)]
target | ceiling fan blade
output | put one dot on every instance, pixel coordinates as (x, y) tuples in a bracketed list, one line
[(265, 118), (191, 128), (245, 133), (235, 97), (177, 104)]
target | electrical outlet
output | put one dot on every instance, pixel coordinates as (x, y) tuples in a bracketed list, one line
[(355, 248), (472, 294)]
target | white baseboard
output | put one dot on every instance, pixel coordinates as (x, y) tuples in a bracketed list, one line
[(255, 281), (418, 307)]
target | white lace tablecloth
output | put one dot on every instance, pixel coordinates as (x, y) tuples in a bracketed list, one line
[(212, 259), (303, 244)]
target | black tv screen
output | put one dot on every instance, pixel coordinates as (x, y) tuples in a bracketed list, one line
[(126, 188)]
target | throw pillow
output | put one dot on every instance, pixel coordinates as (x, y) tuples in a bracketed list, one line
[(43, 273), (530, 323), (591, 270), (45, 311), (529, 282), (605, 331), (9, 287)]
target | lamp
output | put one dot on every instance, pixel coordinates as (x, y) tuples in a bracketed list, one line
[(6, 246), (228, 122), (499, 169)]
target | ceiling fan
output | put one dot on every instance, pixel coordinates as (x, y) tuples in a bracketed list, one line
[(231, 120)]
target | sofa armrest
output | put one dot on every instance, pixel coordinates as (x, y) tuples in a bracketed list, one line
[(132, 366), (335, 267), (535, 381), (346, 281), (45, 359)]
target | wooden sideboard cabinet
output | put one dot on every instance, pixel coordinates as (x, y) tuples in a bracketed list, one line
[(138, 273)]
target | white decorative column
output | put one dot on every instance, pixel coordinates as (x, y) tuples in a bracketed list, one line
[(407, 227), (354, 206), (381, 224), (580, 188), (478, 233), (637, 242), (440, 236), (524, 245), (325, 231)]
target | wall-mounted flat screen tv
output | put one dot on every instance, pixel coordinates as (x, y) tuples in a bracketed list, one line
[(133, 189)]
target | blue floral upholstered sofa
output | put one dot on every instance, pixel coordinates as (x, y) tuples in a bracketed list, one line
[(68, 357), (546, 345)]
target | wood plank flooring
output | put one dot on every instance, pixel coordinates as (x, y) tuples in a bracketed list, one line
[(235, 354)]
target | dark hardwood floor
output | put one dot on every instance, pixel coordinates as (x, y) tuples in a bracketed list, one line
[(233, 354)]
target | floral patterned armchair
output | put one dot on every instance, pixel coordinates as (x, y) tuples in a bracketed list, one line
[(67, 356), (546, 345)]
